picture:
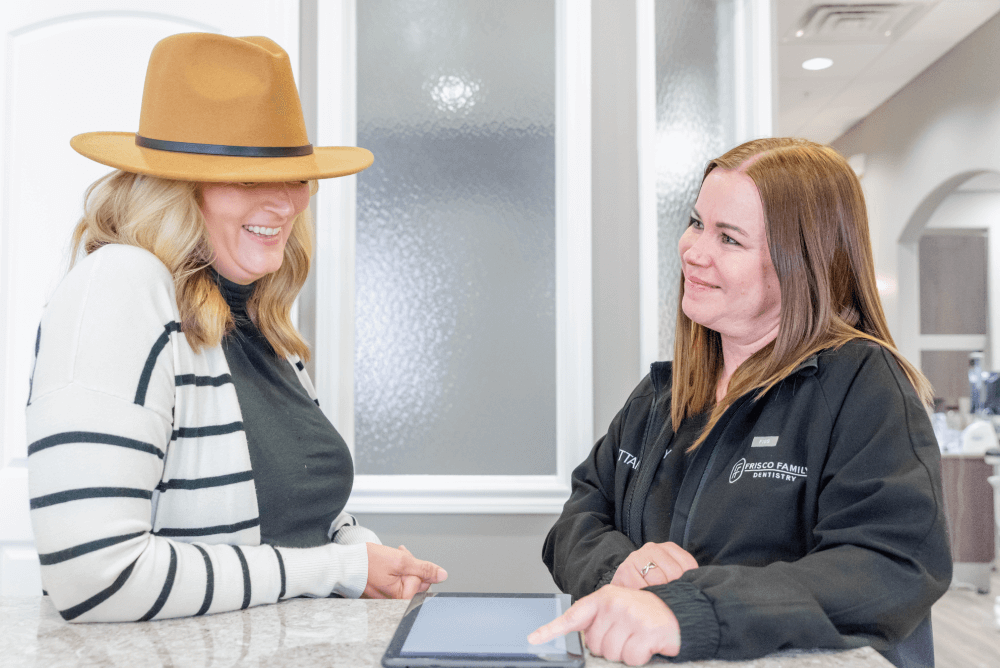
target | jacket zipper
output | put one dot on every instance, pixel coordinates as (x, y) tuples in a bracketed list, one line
[(638, 474)]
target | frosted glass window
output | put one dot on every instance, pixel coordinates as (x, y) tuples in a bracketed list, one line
[(694, 123), (455, 367)]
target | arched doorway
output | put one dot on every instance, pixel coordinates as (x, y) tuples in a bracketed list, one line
[(947, 284)]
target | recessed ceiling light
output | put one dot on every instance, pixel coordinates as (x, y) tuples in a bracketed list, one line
[(800, 33), (817, 64)]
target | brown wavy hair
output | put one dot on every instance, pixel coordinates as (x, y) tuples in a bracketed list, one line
[(164, 217), (817, 232)]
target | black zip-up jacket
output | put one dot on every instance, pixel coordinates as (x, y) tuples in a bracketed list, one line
[(815, 513)]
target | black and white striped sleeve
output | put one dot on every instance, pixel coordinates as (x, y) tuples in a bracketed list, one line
[(99, 432)]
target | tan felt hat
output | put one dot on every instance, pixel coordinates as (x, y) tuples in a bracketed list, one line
[(217, 108)]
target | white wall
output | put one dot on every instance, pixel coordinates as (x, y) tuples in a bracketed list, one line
[(615, 209), (964, 210), (938, 131)]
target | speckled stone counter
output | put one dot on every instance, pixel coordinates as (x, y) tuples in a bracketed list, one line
[(300, 632)]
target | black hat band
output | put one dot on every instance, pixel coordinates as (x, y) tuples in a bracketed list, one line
[(221, 149)]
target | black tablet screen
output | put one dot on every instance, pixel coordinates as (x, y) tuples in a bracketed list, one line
[(471, 625)]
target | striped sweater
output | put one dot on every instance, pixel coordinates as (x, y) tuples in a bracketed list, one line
[(142, 495)]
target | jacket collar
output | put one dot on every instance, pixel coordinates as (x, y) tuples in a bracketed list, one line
[(810, 365), (661, 373)]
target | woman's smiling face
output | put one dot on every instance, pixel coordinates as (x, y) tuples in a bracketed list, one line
[(249, 223), (730, 285)]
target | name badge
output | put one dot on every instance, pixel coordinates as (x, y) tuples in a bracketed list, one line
[(764, 442)]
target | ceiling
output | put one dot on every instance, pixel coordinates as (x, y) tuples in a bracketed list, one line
[(877, 47)]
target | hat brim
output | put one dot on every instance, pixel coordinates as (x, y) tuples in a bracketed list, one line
[(118, 150)]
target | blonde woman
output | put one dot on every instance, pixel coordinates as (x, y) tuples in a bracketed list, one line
[(778, 484), (179, 463)]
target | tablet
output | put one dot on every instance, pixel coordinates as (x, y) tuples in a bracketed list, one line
[(481, 630)]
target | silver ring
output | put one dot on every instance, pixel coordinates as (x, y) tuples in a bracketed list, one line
[(647, 567)]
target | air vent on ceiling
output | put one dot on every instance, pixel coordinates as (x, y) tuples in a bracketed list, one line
[(856, 22)]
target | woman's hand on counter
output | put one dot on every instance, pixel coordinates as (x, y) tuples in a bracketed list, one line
[(619, 624), (395, 573), (669, 560)]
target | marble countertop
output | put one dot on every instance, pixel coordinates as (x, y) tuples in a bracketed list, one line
[(298, 632)]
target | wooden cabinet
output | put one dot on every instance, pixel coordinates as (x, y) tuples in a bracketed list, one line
[(968, 498)]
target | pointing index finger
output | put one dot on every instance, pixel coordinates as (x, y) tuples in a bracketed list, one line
[(577, 618)]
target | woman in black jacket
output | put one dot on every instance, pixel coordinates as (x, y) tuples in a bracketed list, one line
[(778, 484)]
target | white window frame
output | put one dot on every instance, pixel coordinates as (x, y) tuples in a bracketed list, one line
[(335, 286)]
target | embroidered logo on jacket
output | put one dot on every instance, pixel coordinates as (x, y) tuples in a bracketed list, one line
[(778, 470), (629, 459)]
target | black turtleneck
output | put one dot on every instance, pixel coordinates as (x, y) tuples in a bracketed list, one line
[(302, 468)]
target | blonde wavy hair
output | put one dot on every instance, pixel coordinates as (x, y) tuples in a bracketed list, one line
[(164, 217), (817, 232)]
